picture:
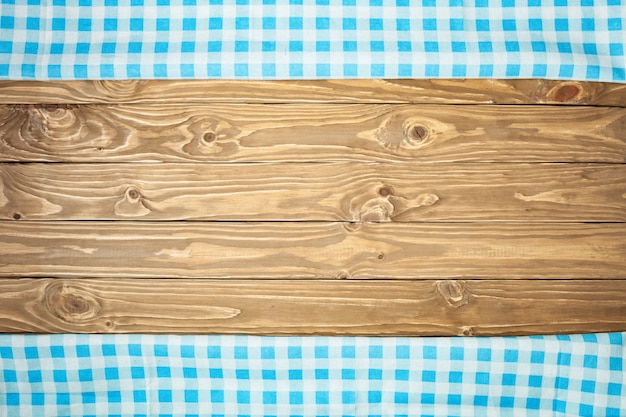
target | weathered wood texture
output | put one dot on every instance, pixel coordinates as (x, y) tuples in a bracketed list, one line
[(374, 192), (374, 207), (314, 307), (312, 132), (312, 250), (330, 91)]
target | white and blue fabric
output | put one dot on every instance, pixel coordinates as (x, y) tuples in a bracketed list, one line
[(140, 375), (312, 39)]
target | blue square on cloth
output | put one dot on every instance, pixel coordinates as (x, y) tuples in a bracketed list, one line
[(28, 70), (321, 397), (564, 47), (615, 364), (215, 23), (59, 375), (7, 22), (482, 378), (110, 25), (349, 46), (402, 375), (31, 352), (32, 23), (63, 398), (58, 24), (481, 400), (85, 375), (269, 397), (165, 396), (135, 48), (12, 398), (533, 403), (10, 375), (509, 25), (38, 398), (136, 24), (139, 396), (566, 70), (189, 24), (84, 25), (295, 23), (425, 398), (321, 374), (561, 25), (588, 386), (31, 48), (6, 352), (88, 397), (6, 48), (191, 396)]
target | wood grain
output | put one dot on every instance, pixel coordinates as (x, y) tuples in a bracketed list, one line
[(329, 91), (444, 308), (311, 132), (312, 250), (356, 192)]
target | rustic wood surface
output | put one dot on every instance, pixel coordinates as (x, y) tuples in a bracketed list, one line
[(312, 250), (373, 207), (356, 192), (311, 132), (448, 307), (440, 91)]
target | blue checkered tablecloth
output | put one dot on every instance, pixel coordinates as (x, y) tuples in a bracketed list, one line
[(287, 39), (139, 375)]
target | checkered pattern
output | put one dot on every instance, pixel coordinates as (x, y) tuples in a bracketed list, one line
[(88, 375), (287, 39)]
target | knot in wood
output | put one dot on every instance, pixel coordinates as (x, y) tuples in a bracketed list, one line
[(563, 93), (133, 194), (417, 133), (17, 216), (453, 292), (69, 303), (469, 331), (385, 192), (209, 137)]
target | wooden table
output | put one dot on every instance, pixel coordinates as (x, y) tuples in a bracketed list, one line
[(370, 207)]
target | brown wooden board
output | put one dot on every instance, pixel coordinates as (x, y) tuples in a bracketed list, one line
[(313, 250), (441, 91), (228, 133), (475, 307), (356, 192)]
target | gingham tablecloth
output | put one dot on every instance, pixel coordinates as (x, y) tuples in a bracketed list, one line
[(139, 375), (287, 39)]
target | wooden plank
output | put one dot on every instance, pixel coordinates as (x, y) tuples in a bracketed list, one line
[(336, 91), (403, 192), (311, 132), (312, 250), (424, 308)]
